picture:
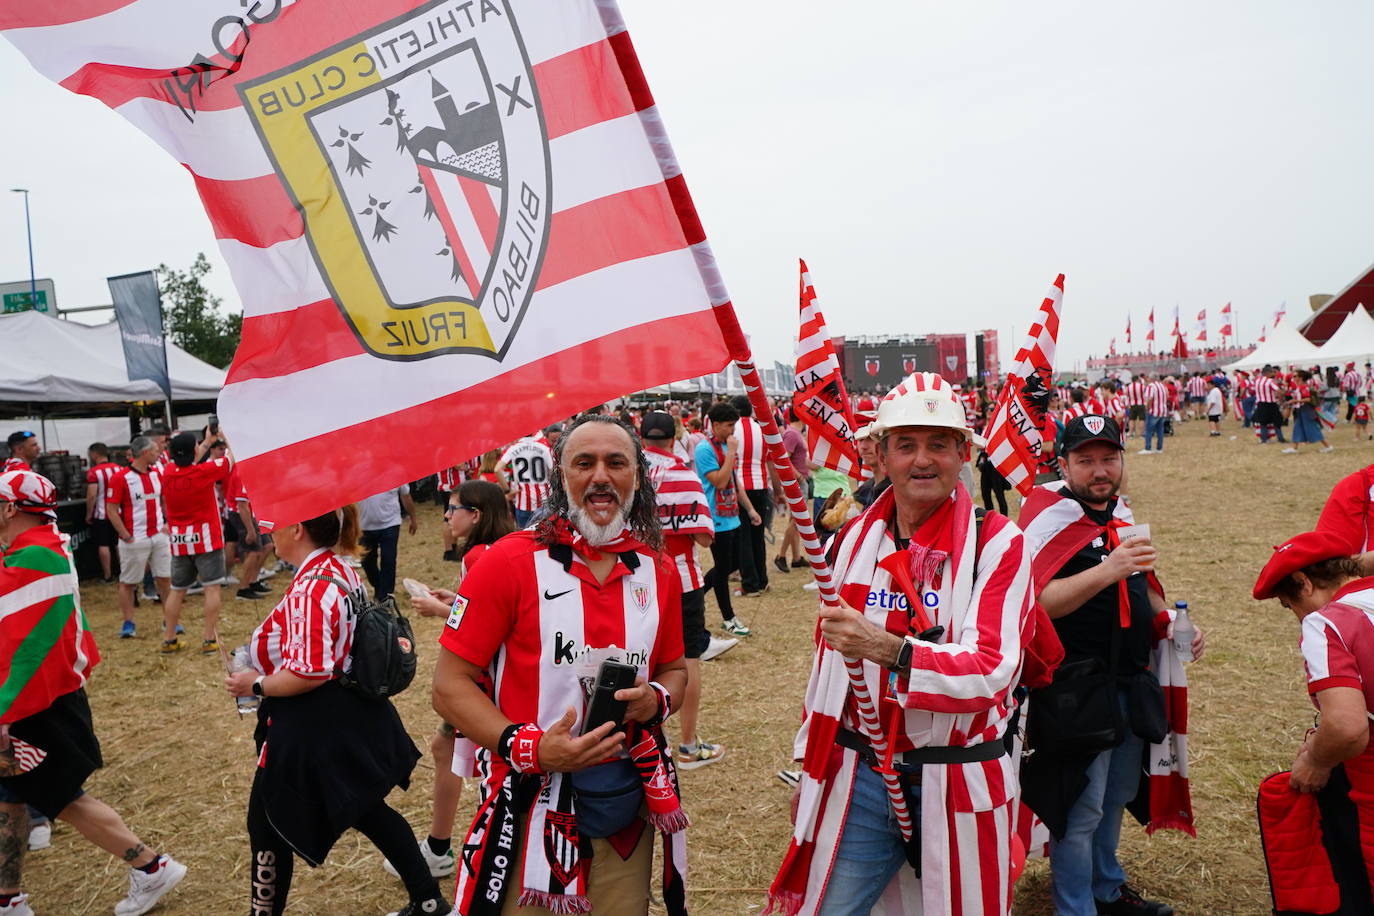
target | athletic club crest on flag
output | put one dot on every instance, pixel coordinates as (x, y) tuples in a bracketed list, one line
[(640, 593), (417, 153), (951, 362), (908, 363), (560, 845), (1094, 424), (871, 365)]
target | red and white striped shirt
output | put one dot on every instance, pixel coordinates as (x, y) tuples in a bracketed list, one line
[(540, 626), (1156, 399), (1197, 387), (449, 479), (14, 464), (1076, 410), (1134, 392), (1351, 381), (752, 454), (1338, 641), (193, 512), (528, 464), (310, 631), (1266, 390), (683, 512), (100, 475), (139, 497)]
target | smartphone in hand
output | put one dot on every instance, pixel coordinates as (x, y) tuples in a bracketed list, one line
[(603, 706)]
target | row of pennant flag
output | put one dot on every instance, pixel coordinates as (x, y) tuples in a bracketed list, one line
[(1225, 336), (430, 207)]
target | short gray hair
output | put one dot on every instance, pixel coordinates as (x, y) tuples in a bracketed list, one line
[(140, 445)]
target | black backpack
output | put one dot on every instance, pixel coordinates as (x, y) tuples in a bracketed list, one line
[(383, 651)]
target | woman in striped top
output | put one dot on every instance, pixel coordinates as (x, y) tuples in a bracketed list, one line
[(327, 755)]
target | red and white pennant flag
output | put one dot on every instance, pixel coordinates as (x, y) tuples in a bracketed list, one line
[(1014, 432), (1150, 332), (449, 221), (1226, 331), (1200, 329), (819, 397)]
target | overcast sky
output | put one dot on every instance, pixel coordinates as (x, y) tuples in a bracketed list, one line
[(936, 163)]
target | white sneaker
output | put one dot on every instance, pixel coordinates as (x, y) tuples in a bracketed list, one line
[(790, 778), (1146, 451), (40, 837), (736, 627), (19, 906), (812, 586), (718, 647), (232, 579), (1329, 448), (1289, 451), (439, 866), (146, 890)]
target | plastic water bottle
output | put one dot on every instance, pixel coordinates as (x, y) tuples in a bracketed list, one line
[(248, 704), (1184, 631)]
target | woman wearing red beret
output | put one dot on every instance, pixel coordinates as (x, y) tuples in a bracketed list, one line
[(1314, 576)]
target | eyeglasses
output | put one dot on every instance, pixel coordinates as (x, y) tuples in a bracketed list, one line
[(451, 508)]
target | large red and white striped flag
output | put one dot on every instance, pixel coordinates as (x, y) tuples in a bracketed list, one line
[(1014, 432), (449, 222), (819, 397)]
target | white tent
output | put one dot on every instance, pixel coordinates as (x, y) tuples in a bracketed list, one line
[(1353, 342), (1284, 346), (48, 360)]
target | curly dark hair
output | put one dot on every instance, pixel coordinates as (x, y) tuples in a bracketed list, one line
[(643, 518)]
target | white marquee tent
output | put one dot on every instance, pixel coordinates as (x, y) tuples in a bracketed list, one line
[(48, 360), (1284, 346), (1353, 342)]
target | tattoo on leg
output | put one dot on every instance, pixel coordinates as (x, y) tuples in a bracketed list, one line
[(133, 852), (13, 839)]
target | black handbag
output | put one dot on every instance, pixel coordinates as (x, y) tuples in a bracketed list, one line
[(1145, 703), (1078, 713)]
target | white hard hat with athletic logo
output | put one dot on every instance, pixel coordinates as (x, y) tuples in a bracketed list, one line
[(922, 399)]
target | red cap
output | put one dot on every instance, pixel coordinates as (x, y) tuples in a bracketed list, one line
[(1295, 553)]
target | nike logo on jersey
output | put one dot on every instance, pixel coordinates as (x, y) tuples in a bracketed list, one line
[(548, 597)]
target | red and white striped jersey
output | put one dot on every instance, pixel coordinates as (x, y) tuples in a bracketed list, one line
[(139, 497), (1197, 387), (100, 475), (540, 626), (528, 464), (449, 479), (1266, 390), (1156, 398), (310, 631), (1351, 381), (1338, 641), (193, 513), (1134, 392), (1116, 406), (752, 454), (683, 512), (1076, 410)]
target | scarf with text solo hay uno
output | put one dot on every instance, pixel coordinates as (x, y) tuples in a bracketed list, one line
[(966, 810), (554, 867), (1056, 528)]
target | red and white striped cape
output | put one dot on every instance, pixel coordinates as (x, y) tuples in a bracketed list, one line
[(1056, 528), (959, 693), (752, 455), (683, 512), (1014, 440)]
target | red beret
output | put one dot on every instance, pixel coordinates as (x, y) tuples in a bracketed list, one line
[(1294, 554)]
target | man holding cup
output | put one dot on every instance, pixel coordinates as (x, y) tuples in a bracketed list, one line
[(1094, 572)]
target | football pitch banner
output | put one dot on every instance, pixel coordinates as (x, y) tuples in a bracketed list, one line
[(450, 222)]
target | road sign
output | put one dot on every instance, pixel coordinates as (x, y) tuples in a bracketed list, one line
[(17, 297)]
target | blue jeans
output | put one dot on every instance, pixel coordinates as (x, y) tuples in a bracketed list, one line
[(1247, 407), (1154, 426), (523, 518), (870, 850), (1083, 863)]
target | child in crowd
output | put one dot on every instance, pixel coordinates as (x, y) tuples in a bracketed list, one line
[(1361, 418)]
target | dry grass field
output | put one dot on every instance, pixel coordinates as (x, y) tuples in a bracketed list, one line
[(179, 761)]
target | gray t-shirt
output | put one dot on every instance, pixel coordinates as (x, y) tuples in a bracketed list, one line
[(382, 510)]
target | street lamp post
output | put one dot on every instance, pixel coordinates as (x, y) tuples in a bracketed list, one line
[(28, 230)]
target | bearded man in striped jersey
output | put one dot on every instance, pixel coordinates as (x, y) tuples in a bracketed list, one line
[(48, 746), (540, 616), (941, 642)]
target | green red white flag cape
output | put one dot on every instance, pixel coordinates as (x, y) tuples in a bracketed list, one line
[(46, 648), (449, 221)]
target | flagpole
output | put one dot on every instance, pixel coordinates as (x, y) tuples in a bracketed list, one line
[(738, 346)]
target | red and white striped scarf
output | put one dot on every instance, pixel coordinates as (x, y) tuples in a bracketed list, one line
[(1056, 528), (966, 809)]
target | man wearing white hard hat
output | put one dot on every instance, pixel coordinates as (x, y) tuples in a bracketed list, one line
[(935, 598)]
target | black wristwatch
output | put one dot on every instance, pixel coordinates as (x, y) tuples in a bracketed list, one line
[(903, 662), (257, 683)]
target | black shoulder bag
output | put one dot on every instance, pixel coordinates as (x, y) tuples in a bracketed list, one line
[(1078, 713)]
